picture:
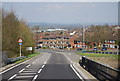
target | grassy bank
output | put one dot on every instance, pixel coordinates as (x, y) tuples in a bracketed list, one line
[(98, 55), (108, 59), (28, 57)]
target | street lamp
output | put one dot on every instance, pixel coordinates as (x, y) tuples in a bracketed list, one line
[(83, 36)]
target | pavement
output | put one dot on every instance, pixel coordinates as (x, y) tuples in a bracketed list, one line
[(85, 74), (49, 65)]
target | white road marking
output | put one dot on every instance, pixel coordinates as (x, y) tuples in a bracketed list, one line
[(47, 59), (33, 62), (29, 71), (35, 78), (44, 62), (39, 70), (23, 76), (12, 77), (76, 72), (68, 58), (43, 66), (26, 73), (28, 65), (22, 70)]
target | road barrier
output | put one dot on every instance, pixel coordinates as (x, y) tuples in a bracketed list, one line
[(100, 71)]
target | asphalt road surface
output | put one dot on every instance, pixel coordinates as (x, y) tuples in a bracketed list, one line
[(46, 66)]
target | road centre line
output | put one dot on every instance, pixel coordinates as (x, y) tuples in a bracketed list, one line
[(28, 65), (76, 72), (44, 62), (22, 70), (67, 57), (35, 78), (12, 77), (39, 70), (33, 62), (43, 66), (47, 59)]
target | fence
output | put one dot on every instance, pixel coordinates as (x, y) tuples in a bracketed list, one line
[(103, 52), (100, 71)]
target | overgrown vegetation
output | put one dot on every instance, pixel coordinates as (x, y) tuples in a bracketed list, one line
[(12, 30)]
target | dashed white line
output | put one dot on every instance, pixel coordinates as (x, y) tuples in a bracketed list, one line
[(12, 77), (35, 78), (22, 70), (43, 66), (47, 59), (28, 65), (44, 62), (68, 58), (33, 62), (76, 72), (39, 70)]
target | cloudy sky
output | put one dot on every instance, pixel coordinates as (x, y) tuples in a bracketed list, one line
[(65, 12)]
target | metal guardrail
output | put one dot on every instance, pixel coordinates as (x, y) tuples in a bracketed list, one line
[(103, 52), (100, 71)]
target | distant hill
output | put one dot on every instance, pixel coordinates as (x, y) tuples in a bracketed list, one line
[(65, 26), (49, 25)]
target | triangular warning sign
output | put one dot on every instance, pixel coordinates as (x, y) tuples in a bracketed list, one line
[(20, 40)]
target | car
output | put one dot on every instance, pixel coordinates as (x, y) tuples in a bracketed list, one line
[(104, 49), (79, 49), (95, 49)]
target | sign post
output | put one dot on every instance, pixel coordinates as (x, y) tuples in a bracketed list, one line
[(20, 43)]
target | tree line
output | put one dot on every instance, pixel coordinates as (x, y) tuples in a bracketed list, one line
[(100, 33), (12, 30)]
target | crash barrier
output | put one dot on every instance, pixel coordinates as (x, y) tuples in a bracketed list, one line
[(102, 52), (100, 71)]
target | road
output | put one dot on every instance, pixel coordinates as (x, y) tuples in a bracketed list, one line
[(46, 66)]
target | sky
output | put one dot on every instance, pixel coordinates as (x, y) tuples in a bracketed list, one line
[(65, 12)]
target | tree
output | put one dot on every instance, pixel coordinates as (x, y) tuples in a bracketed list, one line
[(12, 30)]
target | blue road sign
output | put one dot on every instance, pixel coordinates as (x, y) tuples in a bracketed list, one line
[(20, 43)]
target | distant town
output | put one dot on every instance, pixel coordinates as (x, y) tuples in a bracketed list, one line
[(88, 38)]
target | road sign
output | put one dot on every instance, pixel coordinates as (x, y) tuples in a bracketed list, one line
[(20, 40), (20, 43)]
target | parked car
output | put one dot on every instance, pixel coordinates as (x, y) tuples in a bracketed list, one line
[(95, 49), (79, 49), (104, 49)]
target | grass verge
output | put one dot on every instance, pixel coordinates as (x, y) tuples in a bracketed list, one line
[(107, 59), (98, 55)]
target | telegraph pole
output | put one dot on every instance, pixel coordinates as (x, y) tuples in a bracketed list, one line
[(83, 36)]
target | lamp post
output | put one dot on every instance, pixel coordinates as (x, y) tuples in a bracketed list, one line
[(83, 37)]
